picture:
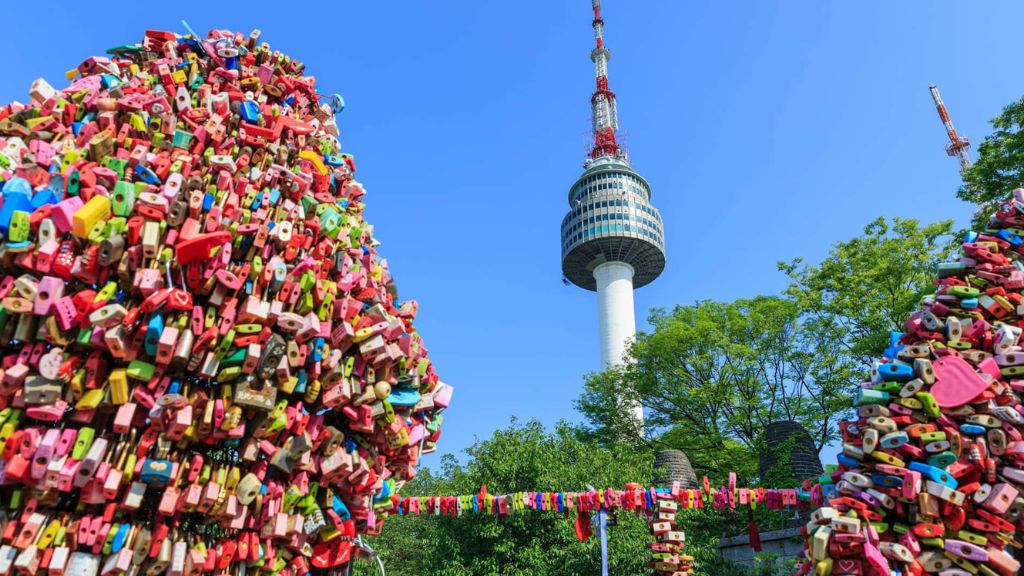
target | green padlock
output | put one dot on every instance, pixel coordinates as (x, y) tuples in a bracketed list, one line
[(963, 291), (84, 337), (1012, 370), (19, 227), (117, 165), (123, 198), (139, 370)]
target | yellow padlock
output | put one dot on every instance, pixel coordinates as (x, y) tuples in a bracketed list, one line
[(90, 400), (96, 209), (119, 386)]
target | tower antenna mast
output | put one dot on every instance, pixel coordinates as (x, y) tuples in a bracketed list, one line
[(603, 107), (958, 145)]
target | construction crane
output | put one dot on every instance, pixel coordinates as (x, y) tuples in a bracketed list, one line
[(958, 145)]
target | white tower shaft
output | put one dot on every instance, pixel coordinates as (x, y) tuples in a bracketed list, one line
[(616, 319)]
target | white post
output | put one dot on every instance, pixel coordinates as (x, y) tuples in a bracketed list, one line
[(616, 319)]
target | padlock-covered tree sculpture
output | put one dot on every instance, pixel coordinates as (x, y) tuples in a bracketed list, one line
[(931, 474), (205, 364)]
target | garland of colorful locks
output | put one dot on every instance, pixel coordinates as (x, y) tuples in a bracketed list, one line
[(659, 505), (205, 365), (930, 475)]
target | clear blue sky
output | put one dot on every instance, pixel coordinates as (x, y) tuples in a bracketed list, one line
[(768, 130)]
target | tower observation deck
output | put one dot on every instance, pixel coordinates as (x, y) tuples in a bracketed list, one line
[(613, 237)]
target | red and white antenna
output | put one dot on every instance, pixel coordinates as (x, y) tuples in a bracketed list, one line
[(958, 145), (603, 109)]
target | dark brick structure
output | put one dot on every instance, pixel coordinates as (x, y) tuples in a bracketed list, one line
[(803, 458), (671, 466)]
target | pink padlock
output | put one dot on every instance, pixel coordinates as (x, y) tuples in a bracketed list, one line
[(1000, 498)]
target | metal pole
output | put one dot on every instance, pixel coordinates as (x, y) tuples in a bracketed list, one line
[(602, 527)]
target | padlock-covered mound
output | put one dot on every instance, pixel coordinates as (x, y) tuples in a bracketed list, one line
[(931, 474), (205, 364)]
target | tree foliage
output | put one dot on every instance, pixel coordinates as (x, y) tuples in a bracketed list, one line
[(1000, 165), (712, 376), (521, 457), (869, 285)]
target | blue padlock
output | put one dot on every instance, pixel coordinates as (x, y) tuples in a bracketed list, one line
[(44, 197), (153, 331), (1010, 237), (250, 112), (119, 539), (896, 372), (934, 474), (14, 200), (336, 103), (887, 480), (156, 472), (972, 429), (848, 461), (148, 176), (340, 509)]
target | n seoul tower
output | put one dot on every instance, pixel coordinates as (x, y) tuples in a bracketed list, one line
[(612, 238)]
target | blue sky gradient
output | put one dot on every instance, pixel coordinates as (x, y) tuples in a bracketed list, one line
[(768, 130)]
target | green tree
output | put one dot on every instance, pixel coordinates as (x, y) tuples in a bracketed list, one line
[(1000, 165), (712, 376), (869, 285), (521, 457)]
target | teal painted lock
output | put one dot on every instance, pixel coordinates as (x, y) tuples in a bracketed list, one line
[(330, 223), (182, 139), (156, 472), (236, 358), (865, 397), (942, 459)]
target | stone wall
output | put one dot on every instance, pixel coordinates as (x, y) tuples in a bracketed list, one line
[(785, 544)]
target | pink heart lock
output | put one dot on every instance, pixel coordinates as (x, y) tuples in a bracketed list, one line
[(956, 382)]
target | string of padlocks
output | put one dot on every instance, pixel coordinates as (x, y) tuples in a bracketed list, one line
[(660, 505)]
